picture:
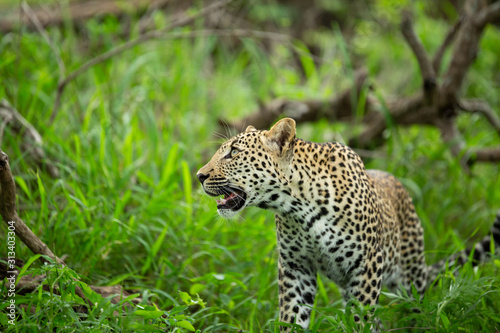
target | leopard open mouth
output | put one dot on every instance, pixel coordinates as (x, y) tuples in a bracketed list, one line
[(233, 199)]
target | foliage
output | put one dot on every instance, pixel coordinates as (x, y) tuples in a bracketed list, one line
[(132, 132)]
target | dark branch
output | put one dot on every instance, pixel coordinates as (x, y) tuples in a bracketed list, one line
[(399, 110), (304, 111), (428, 74), (9, 213), (452, 136), (487, 15), (486, 155), (76, 11), (32, 140), (482, 107), (464, 54)]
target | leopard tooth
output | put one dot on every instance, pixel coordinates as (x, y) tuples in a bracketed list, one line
[(222, 201)]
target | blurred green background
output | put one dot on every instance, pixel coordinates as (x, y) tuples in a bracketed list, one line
[(132, 131)]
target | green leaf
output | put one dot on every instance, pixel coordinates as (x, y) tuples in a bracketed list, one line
[(43, 197), (492, 244), (3, 319), (225, 299), (27, 265), (149, 314), (22, 184), (154, 250), (196, 288), (414, 292), (188, 192), (185, 324), (185, 298), (445, 320), (188, 300), (178, 309), (367, 328), (119, 279), (170, 166), (128, 298), (219, 277)]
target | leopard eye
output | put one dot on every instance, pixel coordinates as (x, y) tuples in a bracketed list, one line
[(234, 152)]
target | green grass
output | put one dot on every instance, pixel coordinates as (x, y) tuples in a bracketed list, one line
[(127, 210)]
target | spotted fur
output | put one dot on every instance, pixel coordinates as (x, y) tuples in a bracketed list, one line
[(357, 227)]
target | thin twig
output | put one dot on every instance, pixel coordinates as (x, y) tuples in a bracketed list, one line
[(147, 18), (186, 19), (238, 33), (41, 30)]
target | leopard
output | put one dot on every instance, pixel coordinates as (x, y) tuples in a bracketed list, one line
[(357, 227)]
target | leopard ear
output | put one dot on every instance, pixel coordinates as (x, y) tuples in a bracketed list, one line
[(250, 129), (281, 136)]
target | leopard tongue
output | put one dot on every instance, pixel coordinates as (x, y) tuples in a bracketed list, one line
[(225, 199)]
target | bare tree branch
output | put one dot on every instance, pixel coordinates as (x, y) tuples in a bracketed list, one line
[(486, 155), (399, 110), (435, 106), (482, 107), (487, 15), (428, 74), (186, 19), (452, 136), (9, 213), (304, 111), (237, 33), (77, 11), (464, 54), (32, 140)]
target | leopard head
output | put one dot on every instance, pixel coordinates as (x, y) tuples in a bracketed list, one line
[(249, 168)]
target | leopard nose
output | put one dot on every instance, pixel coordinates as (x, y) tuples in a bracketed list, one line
[(202, 177)]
